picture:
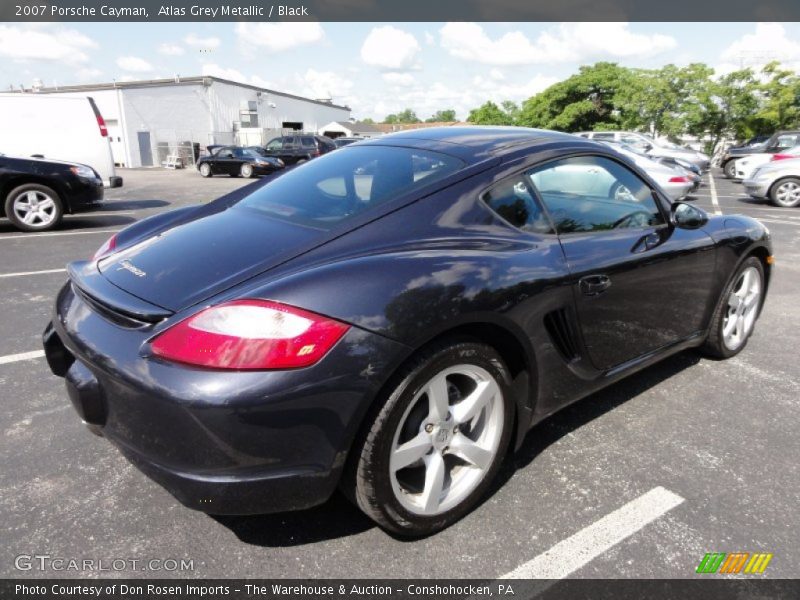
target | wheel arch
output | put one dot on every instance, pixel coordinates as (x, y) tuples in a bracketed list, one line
[(16, 181), (778, 181), (763, 254), (512, 346)]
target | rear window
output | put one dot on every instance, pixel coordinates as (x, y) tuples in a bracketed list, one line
[(343, 184)]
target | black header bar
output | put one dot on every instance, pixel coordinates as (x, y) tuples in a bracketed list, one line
[(398, 10)]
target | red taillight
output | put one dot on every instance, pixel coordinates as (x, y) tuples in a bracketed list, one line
[(250, 334), (100, 121), (679, 179), (107, 248), (102, 125), (781, 156)]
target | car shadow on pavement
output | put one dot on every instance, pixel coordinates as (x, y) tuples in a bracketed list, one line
[(340, 518), (584, 411), (115, 205), (754, 201), (75, 223), (337, 518)]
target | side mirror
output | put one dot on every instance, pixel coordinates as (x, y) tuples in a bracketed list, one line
[(686, 216)]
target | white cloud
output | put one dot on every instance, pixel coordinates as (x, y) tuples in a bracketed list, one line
[(429, 38), (565, 43), (44, 43), (171, 49), (224, 73), (311, 84), (425, 99), (277, 37), (88, 74), (767, 43), (403, 79), (390, 48), (134, 63), (197, 41), (324, 84), (497, 75)]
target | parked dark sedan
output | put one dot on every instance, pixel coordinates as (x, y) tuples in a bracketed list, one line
[(237, 162), (35, 192), (392, 332)]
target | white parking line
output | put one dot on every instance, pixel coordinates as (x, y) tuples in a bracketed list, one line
[(714, 199), (581, 548), (24, 273), (102, 213), (777, 222), (33, 236), (10, 358)]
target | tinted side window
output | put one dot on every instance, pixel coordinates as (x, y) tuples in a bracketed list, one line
[(275, 144), (512, 200), (225, 153), (603, 136), (594, 193), (307, 141)]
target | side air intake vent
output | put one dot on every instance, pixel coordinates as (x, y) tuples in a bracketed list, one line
[(561, 327)]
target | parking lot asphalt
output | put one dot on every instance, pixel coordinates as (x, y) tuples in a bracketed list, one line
[(640, 480)]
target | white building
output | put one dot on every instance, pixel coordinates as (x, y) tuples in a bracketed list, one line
[(356, 129), (149, 120)]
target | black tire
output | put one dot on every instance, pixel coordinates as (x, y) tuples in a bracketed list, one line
[(715, 344), (246, 170), (778, 186), (729, 169), (369, 476), (19, 195), (205, 170)]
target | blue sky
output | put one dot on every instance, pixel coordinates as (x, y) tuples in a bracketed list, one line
[(378, 68)]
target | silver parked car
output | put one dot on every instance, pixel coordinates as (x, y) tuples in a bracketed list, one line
[(777, 181), (676, 182), (655, 148)]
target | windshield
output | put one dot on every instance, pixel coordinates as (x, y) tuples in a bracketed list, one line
[(342, 184)]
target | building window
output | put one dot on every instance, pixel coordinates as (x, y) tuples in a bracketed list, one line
[(248, 114)]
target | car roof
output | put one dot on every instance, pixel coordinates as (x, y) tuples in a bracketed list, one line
[(473, 143)]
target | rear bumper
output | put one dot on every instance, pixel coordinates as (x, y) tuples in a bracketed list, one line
[(220, 441)]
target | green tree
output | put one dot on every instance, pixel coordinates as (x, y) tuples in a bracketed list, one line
[(404, 116), (491, 114), (584, 101), (368, 121), (780, 93), (657, 100), (724, 108), (446, 115)]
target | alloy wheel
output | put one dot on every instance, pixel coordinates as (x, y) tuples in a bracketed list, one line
[(788, 193), (35, 209), (742, 308), (447, 440)]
